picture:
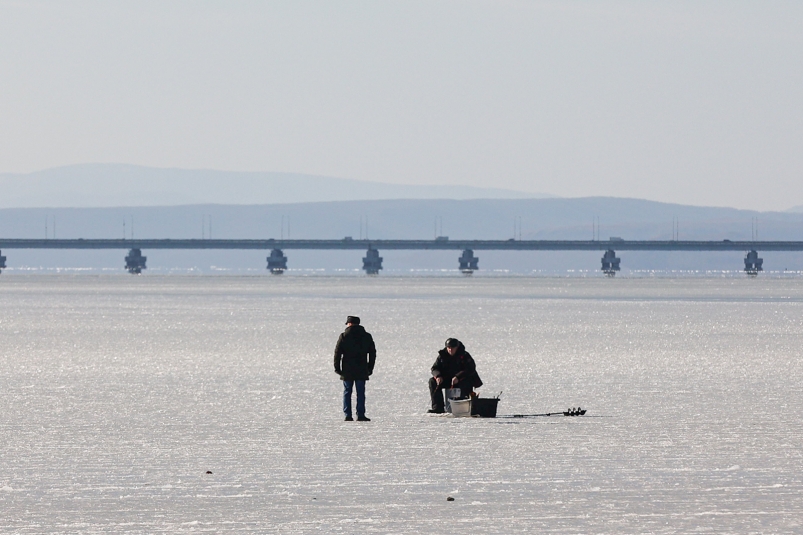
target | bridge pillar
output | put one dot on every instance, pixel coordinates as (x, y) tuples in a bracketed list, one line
[(135, 262), (372, 262), (2, 263), (753, 264), (277, 262), (468, 262), (610, 264)]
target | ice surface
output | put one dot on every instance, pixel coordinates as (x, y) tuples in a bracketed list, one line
[(119, 393)]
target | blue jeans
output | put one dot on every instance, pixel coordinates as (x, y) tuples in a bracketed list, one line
[(347, 387)]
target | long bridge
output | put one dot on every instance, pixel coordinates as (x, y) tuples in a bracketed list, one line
[(135, 262)]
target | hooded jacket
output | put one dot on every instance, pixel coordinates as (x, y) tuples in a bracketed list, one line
[(355, 354), (461, 365)]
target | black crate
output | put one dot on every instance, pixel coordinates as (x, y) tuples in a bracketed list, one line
[(484, 407)]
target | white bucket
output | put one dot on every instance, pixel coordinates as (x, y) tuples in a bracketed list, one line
[(461, 408), (451, 393)]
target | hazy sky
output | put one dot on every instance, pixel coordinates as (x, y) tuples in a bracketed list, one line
[(691, 102)]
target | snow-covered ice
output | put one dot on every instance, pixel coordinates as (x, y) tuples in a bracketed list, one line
[(118, 394)]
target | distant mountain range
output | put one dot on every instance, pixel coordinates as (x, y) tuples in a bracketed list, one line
[(577, 219), (158, 203), (402, 219), (103, 185)]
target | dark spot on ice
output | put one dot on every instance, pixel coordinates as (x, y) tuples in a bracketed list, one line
[(209, 471), (449, 499)]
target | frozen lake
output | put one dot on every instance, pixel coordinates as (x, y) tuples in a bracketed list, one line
[(119, 393)]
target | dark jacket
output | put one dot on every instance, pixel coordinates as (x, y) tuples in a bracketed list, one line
[(461, 365), (355, 354)]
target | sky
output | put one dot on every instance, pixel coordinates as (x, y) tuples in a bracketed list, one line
[(690, 102)]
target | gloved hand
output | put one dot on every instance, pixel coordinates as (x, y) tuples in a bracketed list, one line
[(338, 372)]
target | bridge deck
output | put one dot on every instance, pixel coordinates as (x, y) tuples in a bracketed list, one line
[(479, 245)]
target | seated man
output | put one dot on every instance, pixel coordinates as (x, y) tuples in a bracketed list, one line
[(454, 368)]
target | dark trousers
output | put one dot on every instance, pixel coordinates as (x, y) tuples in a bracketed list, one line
[(436, 392), (347, 388)]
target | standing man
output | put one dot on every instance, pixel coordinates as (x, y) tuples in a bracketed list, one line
[(355, 356), (454, 368)]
